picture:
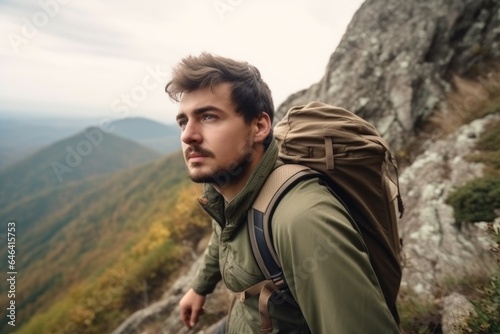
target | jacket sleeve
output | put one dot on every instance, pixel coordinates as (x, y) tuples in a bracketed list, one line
[(326, 264), (209, 274)]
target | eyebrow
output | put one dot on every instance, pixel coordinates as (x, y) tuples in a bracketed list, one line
[(197, 111)]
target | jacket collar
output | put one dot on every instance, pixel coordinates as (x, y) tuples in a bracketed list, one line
[(231, 215)]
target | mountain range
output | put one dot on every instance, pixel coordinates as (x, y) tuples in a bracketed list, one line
[(21, 137), (81, 197), (161, 137), (75, 158)]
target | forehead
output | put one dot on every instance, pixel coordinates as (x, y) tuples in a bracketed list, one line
[(218, 96)]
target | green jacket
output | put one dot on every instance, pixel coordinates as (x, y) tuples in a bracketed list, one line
[(323, 257)]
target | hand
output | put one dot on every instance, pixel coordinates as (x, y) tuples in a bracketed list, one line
[(191, 307)]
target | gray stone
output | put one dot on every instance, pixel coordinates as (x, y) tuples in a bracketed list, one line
[(456, 309), (435, 246), (396, 59)]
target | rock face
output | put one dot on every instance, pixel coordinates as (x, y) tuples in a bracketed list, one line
[(456, 308), (394, 62), (436, 248), (162, 317), (163, 313)]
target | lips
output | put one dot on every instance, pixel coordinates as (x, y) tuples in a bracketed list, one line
[(196, 154), (194, 157)]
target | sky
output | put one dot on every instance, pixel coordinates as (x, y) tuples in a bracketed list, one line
[(111, 59)]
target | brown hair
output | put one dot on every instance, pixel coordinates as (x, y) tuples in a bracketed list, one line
[(250, 94)]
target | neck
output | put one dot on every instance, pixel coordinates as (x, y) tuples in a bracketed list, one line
[(237, 179)]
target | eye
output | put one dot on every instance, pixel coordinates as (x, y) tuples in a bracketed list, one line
[(208, 117), (182, 123)]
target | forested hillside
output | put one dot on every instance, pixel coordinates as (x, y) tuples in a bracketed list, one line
[(85, 154), (69, 237)]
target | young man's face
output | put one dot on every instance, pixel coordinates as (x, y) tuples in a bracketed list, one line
[(216, 141)]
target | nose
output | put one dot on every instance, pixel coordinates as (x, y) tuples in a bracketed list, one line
[(191, 133)]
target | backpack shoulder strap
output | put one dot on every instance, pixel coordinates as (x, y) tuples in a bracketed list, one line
[(276, 186)]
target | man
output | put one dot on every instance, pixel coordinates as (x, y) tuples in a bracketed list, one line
[(226, 114)]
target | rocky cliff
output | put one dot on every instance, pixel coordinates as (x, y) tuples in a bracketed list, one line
[(394, 66), (436, 247), (394, 63)]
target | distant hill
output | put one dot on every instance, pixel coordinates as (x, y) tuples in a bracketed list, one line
[(161, 137), (75, 158), (21, 137)]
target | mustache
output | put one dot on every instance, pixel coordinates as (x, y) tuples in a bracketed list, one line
[(197, 150)]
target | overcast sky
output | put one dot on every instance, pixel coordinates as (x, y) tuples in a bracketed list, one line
[(73, 58)]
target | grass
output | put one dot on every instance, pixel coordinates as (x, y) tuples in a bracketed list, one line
[(418, 316), (487, 305), (467, 100), (470, 99)]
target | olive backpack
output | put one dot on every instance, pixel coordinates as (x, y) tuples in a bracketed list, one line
[(347, 153)]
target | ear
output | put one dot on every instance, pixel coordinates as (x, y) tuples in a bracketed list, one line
[(262, 126)]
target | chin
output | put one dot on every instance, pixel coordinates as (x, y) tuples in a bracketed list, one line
[(198, 177)]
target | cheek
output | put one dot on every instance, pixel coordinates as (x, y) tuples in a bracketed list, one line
[(236, 144)]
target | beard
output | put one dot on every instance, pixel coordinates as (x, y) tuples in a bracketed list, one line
[(222, 175), (225, 174)]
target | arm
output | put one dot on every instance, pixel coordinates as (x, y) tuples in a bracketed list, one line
[(207, 277), (326, 265), (191, 307)]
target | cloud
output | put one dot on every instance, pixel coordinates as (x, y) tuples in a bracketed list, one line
[(81, 56)]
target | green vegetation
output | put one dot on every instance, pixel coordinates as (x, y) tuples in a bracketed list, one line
[(487, 305), (68, 238), (489, 148), (86, 154), (487, 319), (479, 199), (139, 268), (417, 316)]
